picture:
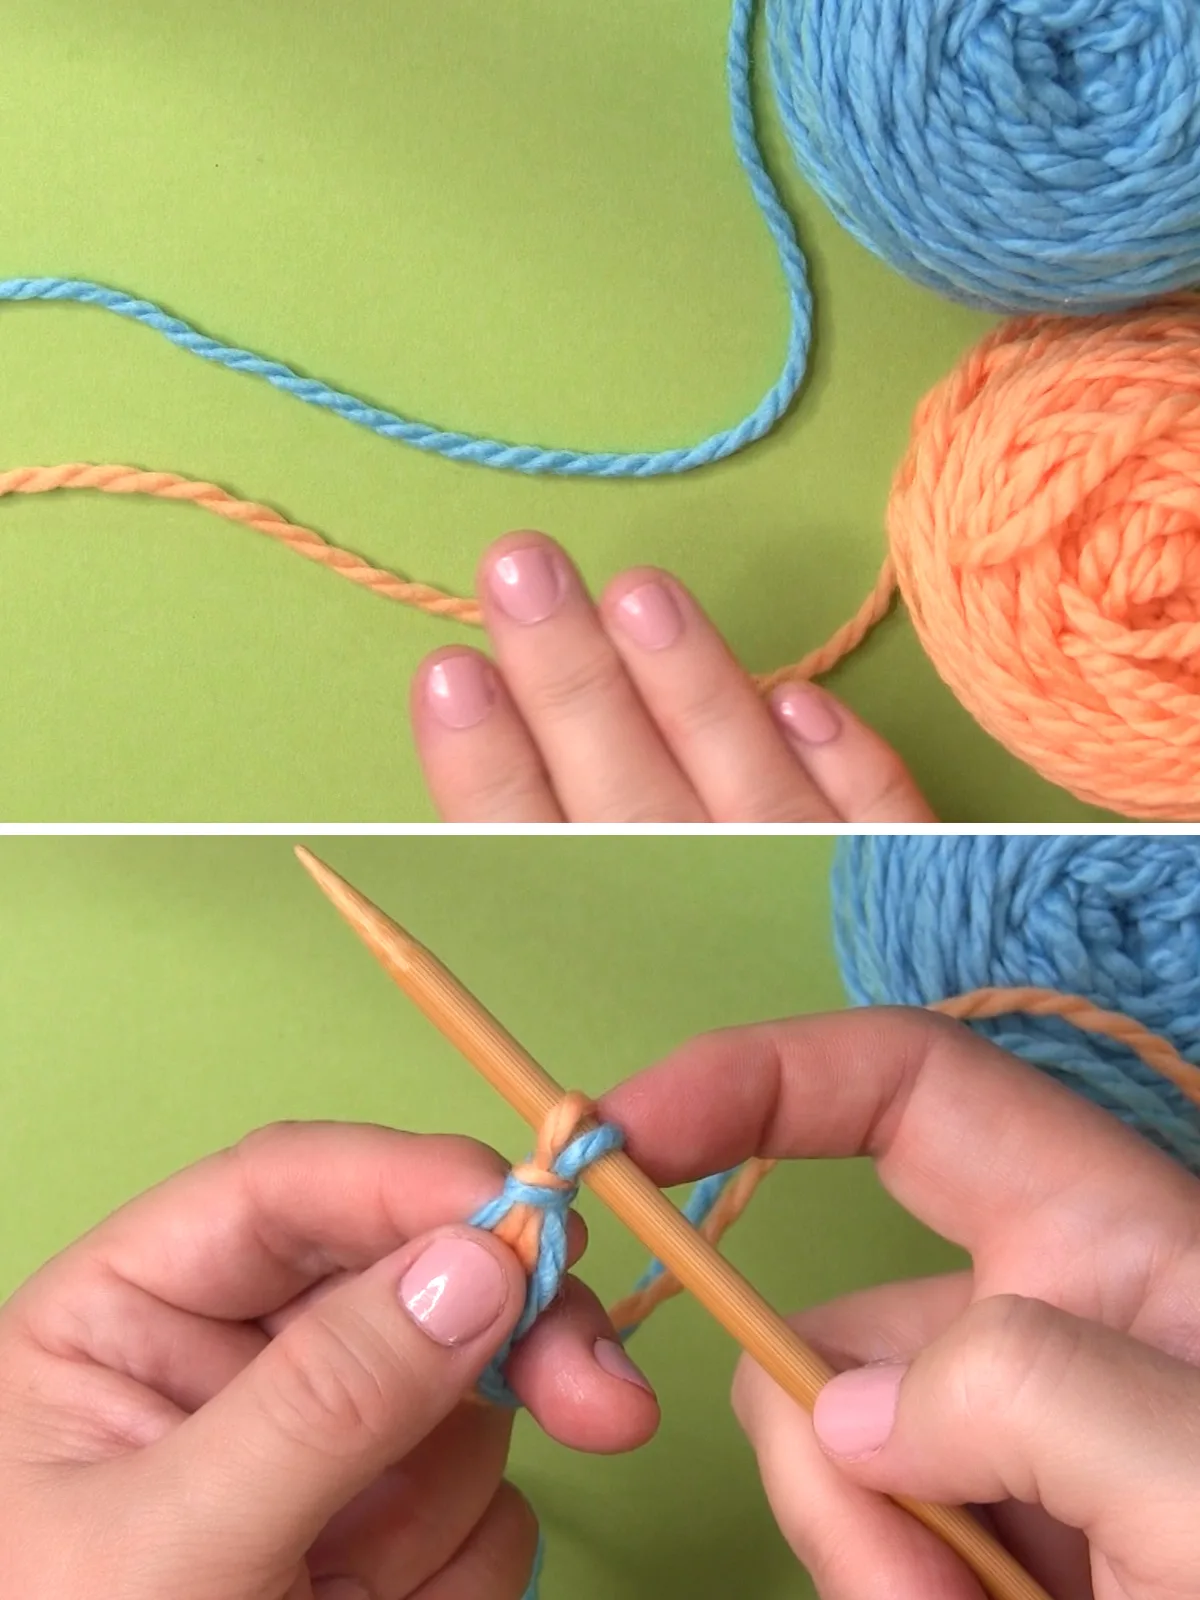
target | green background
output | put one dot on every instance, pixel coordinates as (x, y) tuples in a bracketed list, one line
[(159, 997), (524, 219)]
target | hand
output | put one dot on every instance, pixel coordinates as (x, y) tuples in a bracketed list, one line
[(246, 1384), (1057, 1382), (631, 712)]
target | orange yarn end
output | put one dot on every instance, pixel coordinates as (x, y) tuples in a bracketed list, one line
[(1045, 527), (521, 1229)]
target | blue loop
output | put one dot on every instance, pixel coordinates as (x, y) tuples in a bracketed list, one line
[(546, 1278)]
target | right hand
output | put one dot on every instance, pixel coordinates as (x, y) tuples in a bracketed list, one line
[(1056, 1383), (632, 710)]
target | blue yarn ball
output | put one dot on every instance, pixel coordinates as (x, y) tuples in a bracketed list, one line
[(1113, 918), (1017, 155)]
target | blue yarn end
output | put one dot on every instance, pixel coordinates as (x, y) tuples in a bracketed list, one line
[(535, 1577), (1115, 918)]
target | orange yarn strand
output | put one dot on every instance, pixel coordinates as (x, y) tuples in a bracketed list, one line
[(209, 497), (354, 568), (521, 1229)]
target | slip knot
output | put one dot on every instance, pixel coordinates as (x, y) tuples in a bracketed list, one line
[(530, 1215)]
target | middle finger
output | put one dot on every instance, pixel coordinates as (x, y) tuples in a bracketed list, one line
[(606, 759)]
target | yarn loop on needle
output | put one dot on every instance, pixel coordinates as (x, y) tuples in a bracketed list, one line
[(530, 1216)]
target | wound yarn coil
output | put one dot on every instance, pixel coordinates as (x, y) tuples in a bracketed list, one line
[(1044, 529), (1115, 919), (1018, 155)]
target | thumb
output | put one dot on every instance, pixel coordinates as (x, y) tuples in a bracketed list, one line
[(347, 1389), (1018, 1400)]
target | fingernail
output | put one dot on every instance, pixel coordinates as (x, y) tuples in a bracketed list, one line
[(454, 1291), (650, 616), (807, 714), (856, 1411), (529, 584), (461, 690), (617, 1364)]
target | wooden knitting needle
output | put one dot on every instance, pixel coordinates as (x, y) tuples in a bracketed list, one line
[(644, 1209)]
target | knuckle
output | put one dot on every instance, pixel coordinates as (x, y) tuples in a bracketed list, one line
[(893, 795), (783, 806), (1013, 1355), (328, 1383), (642, 810), (512, 789), (592, 679), (699, 714)]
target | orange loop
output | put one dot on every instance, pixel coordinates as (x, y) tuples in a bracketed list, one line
[(521, 1229)]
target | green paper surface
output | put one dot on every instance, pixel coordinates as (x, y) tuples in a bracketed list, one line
[(525, 220), (159, 998)]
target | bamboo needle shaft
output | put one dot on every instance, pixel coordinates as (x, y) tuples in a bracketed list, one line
[(644, 1209)]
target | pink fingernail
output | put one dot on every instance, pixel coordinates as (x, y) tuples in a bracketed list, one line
[(454, 1291), (460, 690), (855, 1412), (528, 585), (650, 616), (807, 714), (617, 1364)]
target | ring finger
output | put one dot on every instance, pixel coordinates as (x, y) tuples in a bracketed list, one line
[(712, 717)]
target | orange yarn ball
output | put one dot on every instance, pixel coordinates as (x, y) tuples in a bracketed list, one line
[(1045, 529)]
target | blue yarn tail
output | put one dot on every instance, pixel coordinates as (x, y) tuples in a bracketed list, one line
[(499, 453)]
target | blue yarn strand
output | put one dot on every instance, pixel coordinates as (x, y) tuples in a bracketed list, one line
[(1113, 918), (497, 453), (551, 1265), (550, 1268)]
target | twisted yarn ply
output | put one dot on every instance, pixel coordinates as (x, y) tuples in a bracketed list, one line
[(1115, 919), (1045, 532), (1022, 155)]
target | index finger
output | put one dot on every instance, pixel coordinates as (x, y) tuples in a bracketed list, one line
[(245, 1231), (979, 1146)]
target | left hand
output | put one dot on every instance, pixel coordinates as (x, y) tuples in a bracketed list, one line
[(252, 1383), (632, 711)]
